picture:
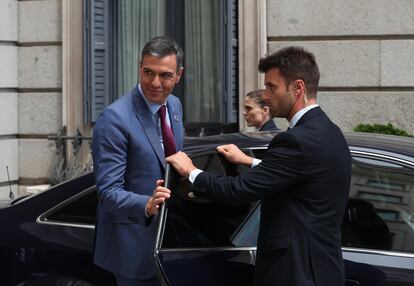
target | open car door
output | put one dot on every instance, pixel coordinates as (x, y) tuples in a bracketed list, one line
[(195, 239)]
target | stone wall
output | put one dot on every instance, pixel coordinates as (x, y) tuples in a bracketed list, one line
[(30, 90), (40, 87), (365, 52), (8, 97)]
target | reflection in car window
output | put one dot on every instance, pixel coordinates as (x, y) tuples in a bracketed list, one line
[(380, 213), (82, 210), (202, 223), (248, 232)]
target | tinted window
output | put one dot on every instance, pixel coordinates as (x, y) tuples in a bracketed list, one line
[(202, 223), (380, 213), (258, 153), (79, 210)]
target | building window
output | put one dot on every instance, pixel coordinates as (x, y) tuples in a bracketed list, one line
[(115, 32)]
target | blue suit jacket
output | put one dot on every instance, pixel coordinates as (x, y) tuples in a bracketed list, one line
[(128, 160)]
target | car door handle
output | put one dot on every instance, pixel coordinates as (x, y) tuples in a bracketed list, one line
[(252, 255)]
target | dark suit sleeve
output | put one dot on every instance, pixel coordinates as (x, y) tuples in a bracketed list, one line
[(110, 145), (283, 166)]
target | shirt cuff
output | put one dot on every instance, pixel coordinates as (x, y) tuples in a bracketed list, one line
[(193, 175), (256, 162)]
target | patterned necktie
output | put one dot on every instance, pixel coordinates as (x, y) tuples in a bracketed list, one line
[(167, 135)]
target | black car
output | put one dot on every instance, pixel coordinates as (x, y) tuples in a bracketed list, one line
[(47, 239)]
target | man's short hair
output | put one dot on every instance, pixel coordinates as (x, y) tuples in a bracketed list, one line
[(294, 63), (163, 46)]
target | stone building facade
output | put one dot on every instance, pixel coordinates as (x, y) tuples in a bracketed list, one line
[(365, 50)]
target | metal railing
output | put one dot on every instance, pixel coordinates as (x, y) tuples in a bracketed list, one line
[(63, 169)]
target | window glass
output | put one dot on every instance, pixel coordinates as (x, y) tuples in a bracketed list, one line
[(198, 26), (248, 232), (202, 223), (116, 31), (82, 210), (258, 153), (380, 212), (136, 23), (203, 78)]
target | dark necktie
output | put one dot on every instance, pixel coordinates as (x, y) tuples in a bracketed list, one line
[(167, 135)]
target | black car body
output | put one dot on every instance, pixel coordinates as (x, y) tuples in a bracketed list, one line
[(47, 239)]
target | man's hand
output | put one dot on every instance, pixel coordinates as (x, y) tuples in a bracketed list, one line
[(234, 155), (182, 163), (160, 195)]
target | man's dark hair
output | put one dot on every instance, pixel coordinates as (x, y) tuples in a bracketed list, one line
[(256, 96), (163, 46), (294, 63)]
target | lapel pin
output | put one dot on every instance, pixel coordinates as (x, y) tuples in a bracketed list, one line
[(176, 118)]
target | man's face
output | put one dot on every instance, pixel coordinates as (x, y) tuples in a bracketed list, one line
[(279, 97), (158, 77), (253, 113)]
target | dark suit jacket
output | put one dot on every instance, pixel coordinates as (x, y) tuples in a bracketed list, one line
[(128, 159), (269, 126), (303, 183)]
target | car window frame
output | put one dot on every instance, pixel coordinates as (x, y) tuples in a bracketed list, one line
[(43, 218)]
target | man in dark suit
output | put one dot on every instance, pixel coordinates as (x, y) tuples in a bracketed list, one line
[(131, 139), (303, 181)]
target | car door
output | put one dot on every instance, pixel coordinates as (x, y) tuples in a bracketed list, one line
[(194, 243), (378, 227)]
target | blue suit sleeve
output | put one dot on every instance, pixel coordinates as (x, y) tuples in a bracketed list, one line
[(110, 151)]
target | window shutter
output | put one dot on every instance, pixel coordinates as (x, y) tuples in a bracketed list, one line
[(234, 61), (230, 48), (96, 61)]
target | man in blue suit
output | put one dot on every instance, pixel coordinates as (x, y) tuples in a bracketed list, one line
[(131, 139), (303, 181)]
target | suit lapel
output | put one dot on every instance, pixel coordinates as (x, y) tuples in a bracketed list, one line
[(144, 115)]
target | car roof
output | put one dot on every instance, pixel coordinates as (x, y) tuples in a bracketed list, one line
[(391, 143), (243, 139), (356, 140)]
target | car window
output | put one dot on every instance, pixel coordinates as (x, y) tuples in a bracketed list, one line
[(201, 223), (380, 211), (248, 231), (80, 209), (259, 153)]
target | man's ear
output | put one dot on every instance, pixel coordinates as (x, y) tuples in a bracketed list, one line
[(298, 86), (179, 74)]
